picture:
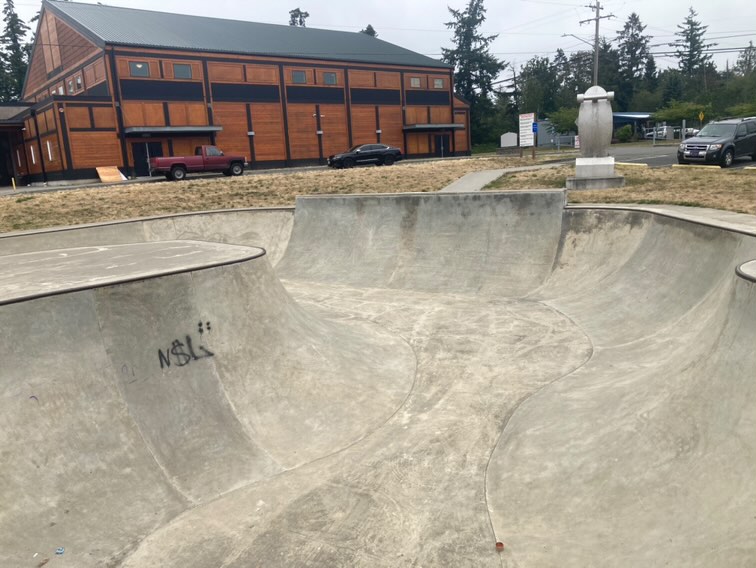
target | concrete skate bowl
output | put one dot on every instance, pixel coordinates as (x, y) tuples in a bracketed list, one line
[(412, 379)]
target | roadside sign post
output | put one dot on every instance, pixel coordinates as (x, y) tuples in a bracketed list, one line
[(528, 129)]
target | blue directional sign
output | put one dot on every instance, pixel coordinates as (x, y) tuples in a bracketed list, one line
[(535, 127)]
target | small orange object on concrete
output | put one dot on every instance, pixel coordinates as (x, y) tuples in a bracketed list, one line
[(499, 546)]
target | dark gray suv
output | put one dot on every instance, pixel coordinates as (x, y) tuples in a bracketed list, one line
[(720, 143)]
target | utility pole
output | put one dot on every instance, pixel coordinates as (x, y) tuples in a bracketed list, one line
[(598, 7)]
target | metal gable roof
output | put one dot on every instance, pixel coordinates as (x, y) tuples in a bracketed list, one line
[(126, 26)]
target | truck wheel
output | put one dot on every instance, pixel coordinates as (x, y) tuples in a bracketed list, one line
[(237, 169), (178, 173), (727, 158)]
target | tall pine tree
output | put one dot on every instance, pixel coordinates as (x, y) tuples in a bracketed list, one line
[(633, 48), (691, 46), (14, 54), (298, 17), (475, 68)]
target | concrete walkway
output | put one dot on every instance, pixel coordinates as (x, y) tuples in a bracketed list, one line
[(475, 181)]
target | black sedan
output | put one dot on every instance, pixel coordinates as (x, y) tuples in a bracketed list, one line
[(378, 154)]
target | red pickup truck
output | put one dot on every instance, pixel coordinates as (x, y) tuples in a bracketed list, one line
[(205, 159)]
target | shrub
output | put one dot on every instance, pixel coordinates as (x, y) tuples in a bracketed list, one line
[(624, 134)]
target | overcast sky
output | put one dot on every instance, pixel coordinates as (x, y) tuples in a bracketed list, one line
[(525, 27)]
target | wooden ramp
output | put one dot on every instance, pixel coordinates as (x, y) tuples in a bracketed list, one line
[(110, 174)]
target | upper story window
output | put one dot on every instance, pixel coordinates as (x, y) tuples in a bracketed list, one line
[(182, 71), (79, 84), (299, 77), (139, 69), (70, 86), (60, 89), (415, 82), (329, 78), (438, 83)]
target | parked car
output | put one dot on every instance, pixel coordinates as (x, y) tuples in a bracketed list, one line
[(205, 159), (720, 142), (660, 133), (378, 154)]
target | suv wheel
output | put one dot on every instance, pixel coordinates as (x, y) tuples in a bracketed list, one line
[(727, 158), (388, 160), (348, 163)]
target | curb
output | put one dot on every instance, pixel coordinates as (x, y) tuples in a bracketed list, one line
[(712, 167), (631, 164)]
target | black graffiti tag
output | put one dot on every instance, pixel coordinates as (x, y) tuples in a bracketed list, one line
[(182, 353)]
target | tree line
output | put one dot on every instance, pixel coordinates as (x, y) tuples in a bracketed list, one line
[(498, 92)]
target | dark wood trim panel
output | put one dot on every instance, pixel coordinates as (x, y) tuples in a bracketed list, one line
[(250, 128), (285, 113), (119, 112)]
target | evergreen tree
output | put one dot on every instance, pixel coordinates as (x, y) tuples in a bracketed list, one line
[(297, 17), (369, 30), (650, 78), (633, 48), (672, 87), (691, 46), (746, 63), (14, 55), (475, 68)]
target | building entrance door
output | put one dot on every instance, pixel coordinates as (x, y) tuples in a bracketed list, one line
[(443, 147), (143, 151)]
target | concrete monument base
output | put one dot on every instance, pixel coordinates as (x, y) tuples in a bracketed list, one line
[(605, 182), (595, 173), (594, 167)]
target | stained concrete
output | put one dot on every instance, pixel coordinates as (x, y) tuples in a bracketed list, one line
[(418, 377)]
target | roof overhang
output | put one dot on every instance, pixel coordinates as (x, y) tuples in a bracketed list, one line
[(174, 130), (432, 127)]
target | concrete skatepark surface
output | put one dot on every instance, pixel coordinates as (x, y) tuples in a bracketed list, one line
[(403, 380)]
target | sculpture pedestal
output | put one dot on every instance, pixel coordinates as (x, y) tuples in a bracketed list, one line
[(595, 173)]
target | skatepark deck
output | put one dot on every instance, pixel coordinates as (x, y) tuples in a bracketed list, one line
[(405, 380)]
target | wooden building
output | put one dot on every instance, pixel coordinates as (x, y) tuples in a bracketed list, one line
[(113, 86)]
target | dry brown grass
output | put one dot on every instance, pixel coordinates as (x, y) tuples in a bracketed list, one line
[(74, 207), (733, 190)]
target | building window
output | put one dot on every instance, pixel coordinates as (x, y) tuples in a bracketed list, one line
[(438, 83), (299, 77), (60, 89), (329, 78), (31, 149), (139, 69), (415, 82), (70, 87), (182, 71), (49, 152), (79, 84)]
